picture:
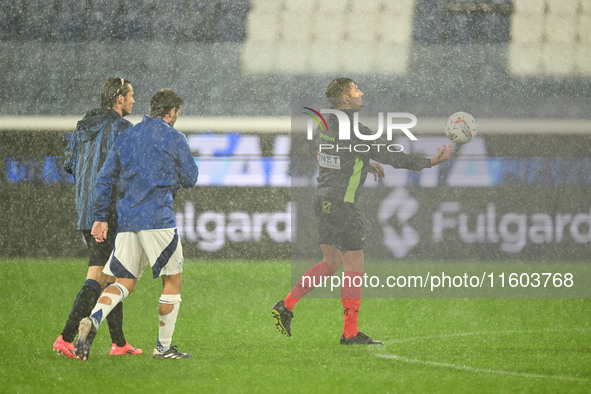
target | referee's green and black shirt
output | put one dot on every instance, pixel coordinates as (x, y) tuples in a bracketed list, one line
[(342, 171)]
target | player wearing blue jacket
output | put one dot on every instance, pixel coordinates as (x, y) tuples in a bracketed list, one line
[(150, 162), (147, 165)]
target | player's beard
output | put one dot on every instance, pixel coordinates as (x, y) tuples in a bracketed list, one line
[(125, 111)]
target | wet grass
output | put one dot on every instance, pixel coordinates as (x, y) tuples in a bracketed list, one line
[(432, 345)]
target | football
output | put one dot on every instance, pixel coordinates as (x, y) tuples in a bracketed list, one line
[(460, 128)]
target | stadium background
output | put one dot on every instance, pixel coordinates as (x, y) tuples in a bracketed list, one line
[(238, 63)]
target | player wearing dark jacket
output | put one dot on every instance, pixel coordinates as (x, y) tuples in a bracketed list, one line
[(94, 136), (85, 154)]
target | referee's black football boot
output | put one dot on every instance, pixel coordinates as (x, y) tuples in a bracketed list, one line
[(360, 339), (283, 318), (86, 334)]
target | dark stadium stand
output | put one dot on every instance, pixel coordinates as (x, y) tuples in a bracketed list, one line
[(56, 53), (429, 21), (134, 21), (108, 20), (231, 21), (462, 21), (70, 21)]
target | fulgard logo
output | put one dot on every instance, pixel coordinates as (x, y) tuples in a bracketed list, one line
[(399, 207), (388, 122), (211, 230)]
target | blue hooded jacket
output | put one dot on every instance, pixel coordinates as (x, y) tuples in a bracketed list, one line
[(148, 163), (94, 136)]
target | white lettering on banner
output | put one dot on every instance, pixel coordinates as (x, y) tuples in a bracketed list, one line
[(212, 230), (469, 165), (234, 159), (511, 230), (280, 168)]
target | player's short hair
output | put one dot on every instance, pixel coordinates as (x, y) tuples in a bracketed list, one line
[(337, 88), (163, 101), (112, 89)]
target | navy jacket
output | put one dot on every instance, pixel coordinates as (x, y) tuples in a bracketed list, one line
[(94, 136)]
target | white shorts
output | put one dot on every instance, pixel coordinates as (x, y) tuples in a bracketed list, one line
[(135, 250)]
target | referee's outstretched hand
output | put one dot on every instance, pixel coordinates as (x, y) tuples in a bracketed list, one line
[(442, 155), (99, 231), (378, 171)]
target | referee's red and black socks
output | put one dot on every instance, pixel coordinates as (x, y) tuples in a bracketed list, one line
[(351, 299), (314, 275)]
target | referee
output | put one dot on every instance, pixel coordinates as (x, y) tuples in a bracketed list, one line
[(342, 173)]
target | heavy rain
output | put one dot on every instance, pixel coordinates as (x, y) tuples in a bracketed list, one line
[(296, 191)]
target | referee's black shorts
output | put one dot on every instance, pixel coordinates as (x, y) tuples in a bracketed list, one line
[(340, 224), (100, 251)]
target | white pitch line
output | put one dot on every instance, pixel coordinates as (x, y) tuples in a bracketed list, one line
[(485, 333), (479, 370), (476, 370)]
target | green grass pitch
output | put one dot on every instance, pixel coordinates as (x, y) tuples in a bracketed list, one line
[(431, 345)]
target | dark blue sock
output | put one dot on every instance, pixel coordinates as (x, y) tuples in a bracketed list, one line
[(82, 307)]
